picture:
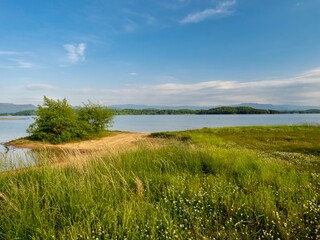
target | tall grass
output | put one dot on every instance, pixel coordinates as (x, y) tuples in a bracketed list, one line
[(180, 191)]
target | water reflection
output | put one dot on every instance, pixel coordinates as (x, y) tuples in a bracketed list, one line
[(12, 158)]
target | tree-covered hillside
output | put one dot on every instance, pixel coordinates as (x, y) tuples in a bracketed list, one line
[(13, 108), (237, 110)]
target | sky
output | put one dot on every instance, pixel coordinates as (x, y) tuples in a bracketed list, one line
[(160, 52)]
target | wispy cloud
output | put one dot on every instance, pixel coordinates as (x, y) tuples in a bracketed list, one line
[(17, 63), (39, 86), (130, 25), (14, 60), (143, 18), (173, 4), (135, 20), (8, 53), (223, 8), (22, 63), (75, 52), (303, 89), (300, 90)]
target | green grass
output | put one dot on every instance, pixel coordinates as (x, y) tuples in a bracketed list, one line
[(208, 184), (298, 145)]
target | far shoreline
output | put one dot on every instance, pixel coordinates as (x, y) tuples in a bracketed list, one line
[(11, 119)]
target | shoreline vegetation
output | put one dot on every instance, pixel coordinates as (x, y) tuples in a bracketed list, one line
[(210, 183), (218, 110)]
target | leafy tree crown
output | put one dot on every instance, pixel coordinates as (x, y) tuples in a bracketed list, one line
[(58, 122)]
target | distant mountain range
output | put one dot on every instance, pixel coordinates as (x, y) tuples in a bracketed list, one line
[(253, 105), (140, 107), (13, 108)]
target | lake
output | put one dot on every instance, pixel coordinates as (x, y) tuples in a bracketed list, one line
[(157, 123), (13, 129), (13, 158)]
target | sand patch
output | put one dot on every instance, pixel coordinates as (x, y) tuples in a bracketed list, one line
[(117, 141)]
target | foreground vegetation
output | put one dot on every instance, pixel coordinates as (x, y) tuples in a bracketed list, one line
[(229, 183)]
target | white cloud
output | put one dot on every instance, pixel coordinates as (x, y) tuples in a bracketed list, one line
[(75, 52), (142, 18), (22, 63), (8, 53), (303, 89), (17, 63), (133, 74), (39, 86), (300, 90), (222, 8)]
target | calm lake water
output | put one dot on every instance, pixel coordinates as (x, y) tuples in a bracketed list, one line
[(13, 158), (158, 123), (13, 129)]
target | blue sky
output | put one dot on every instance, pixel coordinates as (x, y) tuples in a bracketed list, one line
[(160, 52)]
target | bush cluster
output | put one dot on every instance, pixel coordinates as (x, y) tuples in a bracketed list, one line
[(58, 122)]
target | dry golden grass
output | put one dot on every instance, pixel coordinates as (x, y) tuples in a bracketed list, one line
[(114, 142), (79, 155), (5, 119)]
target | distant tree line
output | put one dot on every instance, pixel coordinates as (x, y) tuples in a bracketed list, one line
[(21, 113), (152, 111), (302, 111), (218, 110), (149, 111), (237, 110)]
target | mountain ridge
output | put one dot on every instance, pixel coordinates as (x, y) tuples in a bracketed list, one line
[(13, 108), (253, 105)]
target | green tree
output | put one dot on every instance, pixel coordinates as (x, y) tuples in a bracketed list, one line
[(55, 122), (58, 122), (96, 116)]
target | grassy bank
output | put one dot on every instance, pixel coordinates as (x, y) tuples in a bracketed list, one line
[(231, 183)]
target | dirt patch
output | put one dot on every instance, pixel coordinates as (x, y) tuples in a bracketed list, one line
[(79, 154), (119, 141)]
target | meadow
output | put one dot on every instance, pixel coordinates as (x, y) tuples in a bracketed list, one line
[(223, 183)]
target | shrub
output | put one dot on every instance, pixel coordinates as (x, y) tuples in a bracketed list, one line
[(96, 116), (58, 122)]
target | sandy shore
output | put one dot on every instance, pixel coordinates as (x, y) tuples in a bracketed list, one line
[(80, 153), (6, 118), (118, 141)]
